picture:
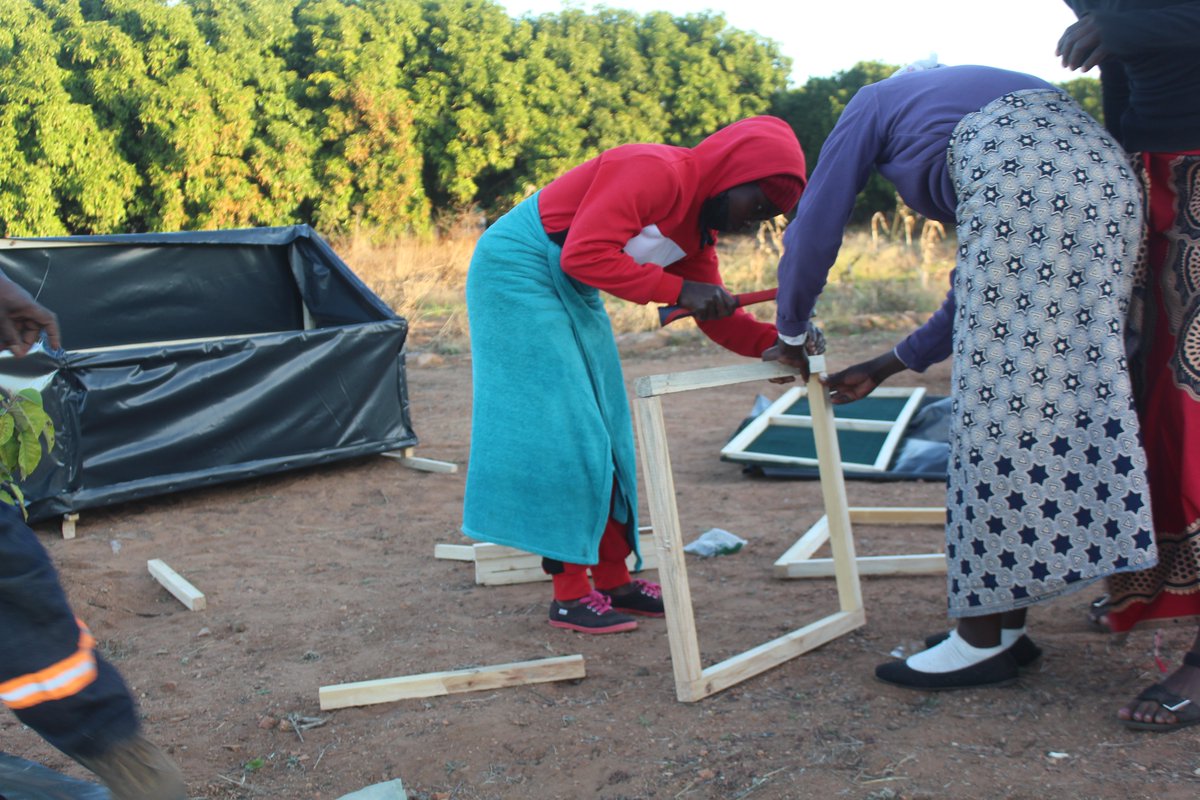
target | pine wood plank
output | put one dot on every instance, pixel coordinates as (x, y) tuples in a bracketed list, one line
[(434, 684)]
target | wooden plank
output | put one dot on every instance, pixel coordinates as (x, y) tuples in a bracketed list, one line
[(406, 457), (672, 569), (497, 565), (746, 436), (797, 561), (898, 427), (668, 383), (833, 490), (435, 684), (174, 583), (805, 546), (908, 515), (487, 550), (915, 564), (771, 654), (454, 552)]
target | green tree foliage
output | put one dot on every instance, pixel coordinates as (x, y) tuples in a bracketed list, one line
[(60, 170), (353, 59), (813, 110), (24, 426), (251, 40), (1086, 92), (707, 74), (467, 86), (382, 115)]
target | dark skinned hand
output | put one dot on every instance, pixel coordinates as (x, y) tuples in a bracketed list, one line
[(796, 355), (706, 301), (1080, 46), (856, 382), (22, 319)]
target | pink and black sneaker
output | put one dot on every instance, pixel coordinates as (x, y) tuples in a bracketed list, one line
[(637, 597), (592, 613)]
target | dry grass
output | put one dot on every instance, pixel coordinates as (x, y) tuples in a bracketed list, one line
[(882, 284)]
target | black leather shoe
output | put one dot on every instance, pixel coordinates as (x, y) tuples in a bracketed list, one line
[(1023, 650), (999, 670)]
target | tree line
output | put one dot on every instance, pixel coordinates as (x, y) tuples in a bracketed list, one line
[(382, 115)]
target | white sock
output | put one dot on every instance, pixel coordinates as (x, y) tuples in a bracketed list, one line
[(954, 653), (1009, 636)]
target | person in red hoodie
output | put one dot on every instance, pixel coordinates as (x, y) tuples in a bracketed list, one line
[(552, 467)]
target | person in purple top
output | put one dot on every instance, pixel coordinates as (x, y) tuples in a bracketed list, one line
[(1047, 482)]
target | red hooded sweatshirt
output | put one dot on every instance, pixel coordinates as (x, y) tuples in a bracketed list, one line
[(633, 216)]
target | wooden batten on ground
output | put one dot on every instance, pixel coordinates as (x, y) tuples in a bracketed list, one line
[(497, 565), (693, 681), (797, 560), (406, 457), (174, 583), (434, 684)]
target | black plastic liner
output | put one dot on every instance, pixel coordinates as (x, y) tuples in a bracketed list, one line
[(25, 780), (198, 358)]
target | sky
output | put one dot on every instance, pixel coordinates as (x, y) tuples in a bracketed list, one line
[(823, 37)]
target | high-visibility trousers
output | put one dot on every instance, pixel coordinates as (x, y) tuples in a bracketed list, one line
[(50, 674)]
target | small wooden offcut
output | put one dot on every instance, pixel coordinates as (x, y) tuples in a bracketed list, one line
[(693, 681), (497, 565)]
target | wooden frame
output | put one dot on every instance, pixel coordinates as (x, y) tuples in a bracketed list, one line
[(797, 561), (692, 680), (778, 414), (497, 565)]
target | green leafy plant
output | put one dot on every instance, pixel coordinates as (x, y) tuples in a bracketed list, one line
[(24, 426)]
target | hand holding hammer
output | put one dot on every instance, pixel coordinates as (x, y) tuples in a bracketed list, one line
[(668, 314)]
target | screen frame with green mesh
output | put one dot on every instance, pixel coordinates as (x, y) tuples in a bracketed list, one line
[(868, 430)]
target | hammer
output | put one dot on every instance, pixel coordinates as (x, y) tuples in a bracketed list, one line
[(668, 314)]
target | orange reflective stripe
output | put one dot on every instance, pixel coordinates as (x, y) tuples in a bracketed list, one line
[(57, 681)]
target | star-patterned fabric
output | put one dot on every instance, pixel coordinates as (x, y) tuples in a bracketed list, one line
[(1047, 486)]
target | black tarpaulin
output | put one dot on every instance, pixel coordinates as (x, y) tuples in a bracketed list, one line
[(201, 357)]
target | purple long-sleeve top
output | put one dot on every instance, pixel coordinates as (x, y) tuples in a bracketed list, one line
[(900, 126)]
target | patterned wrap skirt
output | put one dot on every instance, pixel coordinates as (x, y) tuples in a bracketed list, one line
[(1047, 488), (1164, 327)]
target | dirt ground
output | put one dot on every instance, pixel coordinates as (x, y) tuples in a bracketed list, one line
[(327, 576)]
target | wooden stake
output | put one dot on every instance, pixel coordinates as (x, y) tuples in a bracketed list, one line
[(174, 583), (434, 684)]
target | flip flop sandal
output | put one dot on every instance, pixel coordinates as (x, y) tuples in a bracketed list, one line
[(1186, 712)]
